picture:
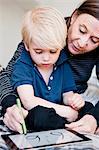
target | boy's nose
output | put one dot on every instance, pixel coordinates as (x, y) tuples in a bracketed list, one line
[(46, 57)]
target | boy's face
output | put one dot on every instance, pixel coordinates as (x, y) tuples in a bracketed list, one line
[(43, 58)]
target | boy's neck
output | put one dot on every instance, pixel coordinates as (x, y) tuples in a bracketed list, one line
[(45, 72)]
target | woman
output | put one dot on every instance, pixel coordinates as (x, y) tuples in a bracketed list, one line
[(82, 47)]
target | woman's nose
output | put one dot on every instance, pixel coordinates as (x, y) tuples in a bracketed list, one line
[(83, 42)]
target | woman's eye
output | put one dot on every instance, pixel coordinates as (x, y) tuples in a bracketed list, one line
[(94, 41), (82, 31)]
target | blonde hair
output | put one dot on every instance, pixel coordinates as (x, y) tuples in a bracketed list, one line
[(44, 26)]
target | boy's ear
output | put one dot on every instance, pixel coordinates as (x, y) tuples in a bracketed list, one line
[(74, 16), (26, 47)]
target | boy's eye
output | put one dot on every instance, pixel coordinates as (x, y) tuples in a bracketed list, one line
[(38, 52), (53, 52)]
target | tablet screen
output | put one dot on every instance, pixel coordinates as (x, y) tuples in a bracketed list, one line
[(43, 139)]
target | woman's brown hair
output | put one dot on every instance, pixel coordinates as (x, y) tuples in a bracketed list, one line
[(90, 7)]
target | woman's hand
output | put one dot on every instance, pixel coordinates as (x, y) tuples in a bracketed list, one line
[(97, 131), (85, 124), (13, 118)]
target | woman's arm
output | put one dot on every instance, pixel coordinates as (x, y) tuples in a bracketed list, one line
[(95, 112), (17, 53), (7, 94), (87, 123)]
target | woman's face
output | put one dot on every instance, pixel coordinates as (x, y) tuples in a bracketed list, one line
[(83, 34)]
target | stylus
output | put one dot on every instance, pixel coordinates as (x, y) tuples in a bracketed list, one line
[(23, 124)]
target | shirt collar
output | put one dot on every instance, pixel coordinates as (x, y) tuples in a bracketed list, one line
[(26, 58), (63, 57)]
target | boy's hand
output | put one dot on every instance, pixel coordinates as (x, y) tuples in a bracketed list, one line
[(76, 101), (72, 114), (68, 112), (13, 118)]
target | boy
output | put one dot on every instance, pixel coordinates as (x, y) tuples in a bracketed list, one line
[(42, 75)]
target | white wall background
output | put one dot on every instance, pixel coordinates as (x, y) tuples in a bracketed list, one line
[(11, 13)]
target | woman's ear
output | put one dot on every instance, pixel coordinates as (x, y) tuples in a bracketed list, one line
[(74, 16)]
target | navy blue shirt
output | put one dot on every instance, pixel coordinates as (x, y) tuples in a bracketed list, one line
[(60, 81)]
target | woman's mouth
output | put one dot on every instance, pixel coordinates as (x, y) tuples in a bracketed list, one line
[(75, 48)]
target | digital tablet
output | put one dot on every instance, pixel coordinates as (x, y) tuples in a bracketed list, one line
[(43, 139)]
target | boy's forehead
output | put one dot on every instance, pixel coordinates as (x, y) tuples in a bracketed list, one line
[(44, 48)]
